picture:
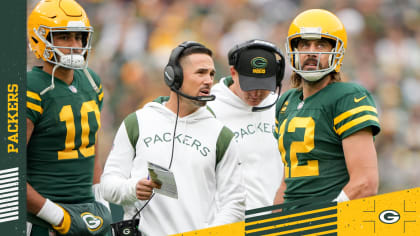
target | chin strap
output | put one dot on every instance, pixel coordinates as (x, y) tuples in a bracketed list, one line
[(52, 86), (314, 76)]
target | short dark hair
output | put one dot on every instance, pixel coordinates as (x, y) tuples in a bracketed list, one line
[(194, 50)]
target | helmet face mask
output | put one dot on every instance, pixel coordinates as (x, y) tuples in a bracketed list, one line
[(54, 53), (58, 16), (316, 24)]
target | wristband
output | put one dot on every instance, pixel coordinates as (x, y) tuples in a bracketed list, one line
[(342, 197), (65, 226), (51, 213)]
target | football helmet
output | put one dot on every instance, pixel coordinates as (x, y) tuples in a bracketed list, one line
[(50, 16), (311, 25)]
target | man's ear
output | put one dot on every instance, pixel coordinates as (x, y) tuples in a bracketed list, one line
[(233, 72)]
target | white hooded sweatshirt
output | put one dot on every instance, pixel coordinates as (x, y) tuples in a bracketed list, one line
[(205, 164), (262, 165)]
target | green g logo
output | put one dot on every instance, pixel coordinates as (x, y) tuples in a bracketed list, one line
[(92, 222), (126, 231), (259, 62), (389, 217)]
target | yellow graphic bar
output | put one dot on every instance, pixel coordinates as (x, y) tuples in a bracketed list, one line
[(223, 230)]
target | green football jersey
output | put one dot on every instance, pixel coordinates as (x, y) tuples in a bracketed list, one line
[(310, 135), (61, 150)]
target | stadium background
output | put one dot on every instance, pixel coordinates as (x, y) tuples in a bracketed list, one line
[(133, 39)]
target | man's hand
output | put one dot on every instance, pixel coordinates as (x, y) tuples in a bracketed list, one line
[(144, 188)]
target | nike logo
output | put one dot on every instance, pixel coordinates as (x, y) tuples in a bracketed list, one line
[(357, 100)]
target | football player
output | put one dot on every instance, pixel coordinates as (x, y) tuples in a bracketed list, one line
[(325, 127), (64, 99)]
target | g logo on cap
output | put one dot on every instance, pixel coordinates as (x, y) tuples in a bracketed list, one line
[(389, 217), (258, 65), (259, 62)]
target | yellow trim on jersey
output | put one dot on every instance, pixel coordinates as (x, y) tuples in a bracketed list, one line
[(34, 107), (33, 95), (356, 122), (100, 96), (353, 111)]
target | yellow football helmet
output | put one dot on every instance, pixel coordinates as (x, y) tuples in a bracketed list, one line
[(51, 16), (316, 24)]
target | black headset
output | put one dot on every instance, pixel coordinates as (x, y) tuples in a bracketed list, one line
[(235, 52), (173, 73), (173, 70)]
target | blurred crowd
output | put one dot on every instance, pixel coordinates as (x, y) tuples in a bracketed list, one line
[(133, 39)]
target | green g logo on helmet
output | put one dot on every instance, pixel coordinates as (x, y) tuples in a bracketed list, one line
[(258, 65)]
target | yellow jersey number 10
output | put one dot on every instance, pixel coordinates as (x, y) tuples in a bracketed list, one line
[(66, 115)]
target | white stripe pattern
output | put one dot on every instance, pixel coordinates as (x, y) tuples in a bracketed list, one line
[(9, 194)]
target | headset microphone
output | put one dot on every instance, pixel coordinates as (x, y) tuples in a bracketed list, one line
[(196, 98), (257, 109)]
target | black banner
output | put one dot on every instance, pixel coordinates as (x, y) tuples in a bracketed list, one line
[(12, 118)]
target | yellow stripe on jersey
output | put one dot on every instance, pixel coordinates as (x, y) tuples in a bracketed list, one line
[(33, 95), (34, 107), (355, 122), (101, 96), (353, 111)]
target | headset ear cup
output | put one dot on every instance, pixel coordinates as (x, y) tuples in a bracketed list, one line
[(169, 76), (233, 53), (178, 77), (280, 71), (173, 74), (232, 59)]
